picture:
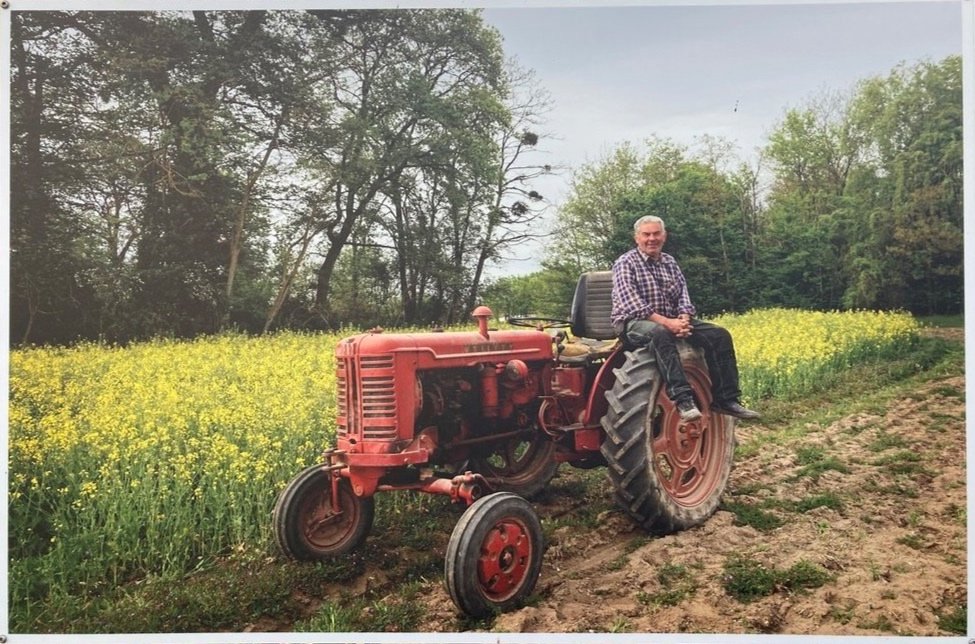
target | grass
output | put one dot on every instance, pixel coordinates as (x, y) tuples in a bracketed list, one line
[(885, 441), (753, 515), (955, 621), (903, 462), (746, 579), (677, 583), (949, 321), (815, 461)]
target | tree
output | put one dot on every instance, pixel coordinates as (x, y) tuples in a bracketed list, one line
[(859, 181), (411, 75), (912, 246), (51, 80)]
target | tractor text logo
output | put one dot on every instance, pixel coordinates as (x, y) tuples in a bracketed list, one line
[(481, 347)]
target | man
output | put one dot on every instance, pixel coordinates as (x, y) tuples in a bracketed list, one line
[(651, 305)]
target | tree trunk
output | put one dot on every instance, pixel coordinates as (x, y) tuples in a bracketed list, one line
[(288, 280), (237, 240)]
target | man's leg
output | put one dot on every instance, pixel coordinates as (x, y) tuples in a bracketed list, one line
[(663, 343), (719, 352)]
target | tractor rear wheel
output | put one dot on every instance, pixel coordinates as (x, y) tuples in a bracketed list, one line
[(524, 466), (306, 525), (494, 555), (668, 475)]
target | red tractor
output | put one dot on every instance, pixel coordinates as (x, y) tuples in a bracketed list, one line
[(487, 417)]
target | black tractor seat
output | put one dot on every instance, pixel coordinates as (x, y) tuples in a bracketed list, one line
[(594, 335)]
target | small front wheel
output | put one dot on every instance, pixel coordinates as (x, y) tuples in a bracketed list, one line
[(307, 526), (494, 555)]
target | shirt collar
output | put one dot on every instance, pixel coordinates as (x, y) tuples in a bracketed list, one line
[(650, 260)]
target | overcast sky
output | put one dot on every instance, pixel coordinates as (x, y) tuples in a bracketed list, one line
[(625, 73)]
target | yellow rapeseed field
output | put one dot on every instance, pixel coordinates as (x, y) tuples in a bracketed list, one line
[(154, 458), (784, 352)]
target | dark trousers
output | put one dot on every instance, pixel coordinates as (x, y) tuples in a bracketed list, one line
[(719, 352)]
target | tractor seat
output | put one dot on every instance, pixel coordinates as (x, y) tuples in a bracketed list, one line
[(590, 323)]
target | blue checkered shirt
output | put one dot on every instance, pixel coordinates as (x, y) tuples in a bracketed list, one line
[(642, 287)]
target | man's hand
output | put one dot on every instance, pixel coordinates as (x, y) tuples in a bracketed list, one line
[(679, 326)]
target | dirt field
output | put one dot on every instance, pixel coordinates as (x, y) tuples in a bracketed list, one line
[(895, 548)]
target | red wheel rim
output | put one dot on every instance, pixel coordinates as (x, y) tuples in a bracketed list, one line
[(687, 457), (517, 460), (505, 557), (321, 526)]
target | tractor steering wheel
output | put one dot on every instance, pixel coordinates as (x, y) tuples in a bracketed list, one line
[(540, 323)]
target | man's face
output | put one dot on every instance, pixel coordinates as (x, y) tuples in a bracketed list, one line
[(650, 238)]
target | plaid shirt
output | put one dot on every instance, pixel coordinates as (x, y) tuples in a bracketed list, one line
[(642, 287)]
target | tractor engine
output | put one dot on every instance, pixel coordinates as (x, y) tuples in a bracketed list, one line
[(434, 399)]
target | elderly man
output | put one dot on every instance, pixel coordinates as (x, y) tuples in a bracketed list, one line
[(651, 305)]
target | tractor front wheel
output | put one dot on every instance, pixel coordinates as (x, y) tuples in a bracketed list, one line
[(308, 526), (494, 555), (668, 475)]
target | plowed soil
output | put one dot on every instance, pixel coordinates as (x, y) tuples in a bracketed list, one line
[(893, 539)]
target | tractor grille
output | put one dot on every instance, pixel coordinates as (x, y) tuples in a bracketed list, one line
[(366, 398)]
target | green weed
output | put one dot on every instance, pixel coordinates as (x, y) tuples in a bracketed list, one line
[(747, 580), (677, 584), (885, 441), (881, 623), (843, 613), (825, 500), (815, 461), (618, 563), (912, 540), (954, 622), (620, 625), (754, 516), (903, 462)]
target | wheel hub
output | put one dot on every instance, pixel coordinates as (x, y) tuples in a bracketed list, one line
[(505, 555)]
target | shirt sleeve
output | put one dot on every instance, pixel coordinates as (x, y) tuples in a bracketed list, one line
[(628, 304)]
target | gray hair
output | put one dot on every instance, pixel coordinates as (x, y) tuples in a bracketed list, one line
[(648, 219)]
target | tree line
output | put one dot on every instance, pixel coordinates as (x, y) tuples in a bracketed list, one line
[(178, 173), (854, 202), (187, 172)]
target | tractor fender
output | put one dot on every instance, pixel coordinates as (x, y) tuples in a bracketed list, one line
[(605, 378)]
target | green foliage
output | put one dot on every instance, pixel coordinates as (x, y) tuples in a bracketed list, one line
[(362, 616), (546, 293), (954, 622), (827, 500), (747, 580), (815, 461), (677, 583), (754, 516), (375, 129)]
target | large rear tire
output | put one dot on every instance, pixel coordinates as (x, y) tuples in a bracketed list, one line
[(668, 475), (306, 526), (524, 466), (494, 555)]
